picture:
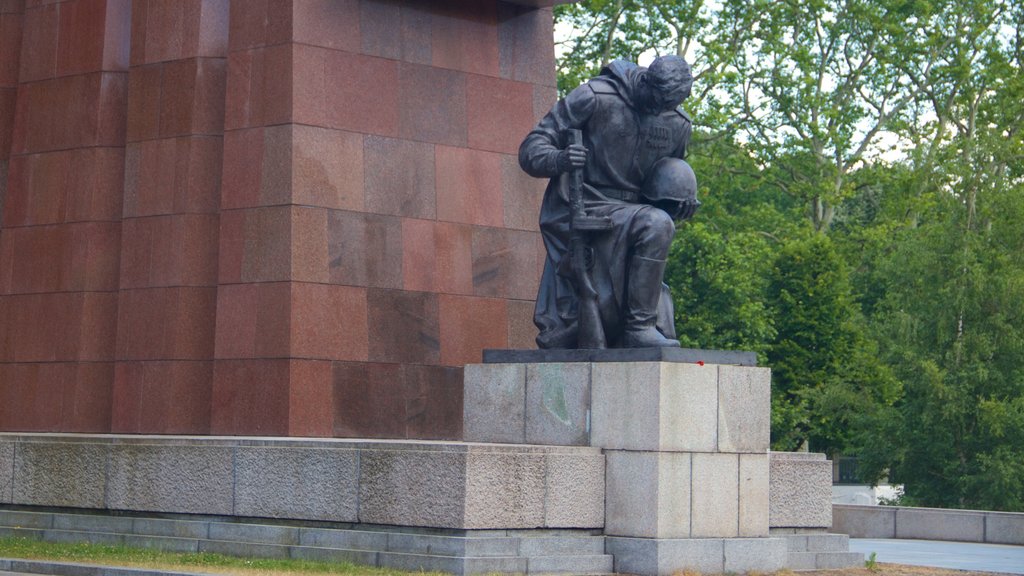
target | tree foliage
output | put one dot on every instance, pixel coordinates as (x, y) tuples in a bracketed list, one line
[(861, 164)]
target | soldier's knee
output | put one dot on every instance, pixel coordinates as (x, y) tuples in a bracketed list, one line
[(656, 225)]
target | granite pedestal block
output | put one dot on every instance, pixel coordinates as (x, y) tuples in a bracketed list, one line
[(800, 491), (667, 556)]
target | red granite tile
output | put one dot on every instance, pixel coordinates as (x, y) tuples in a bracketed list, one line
[(37, 192), (434, 402), (521, 195), (237, 99), (522, 333), (526, 49), (39, 43), (112, 108), (274, 100), (8, 106), (100, 174), (276, 166), (465, 36), (369, 400), (377, 20), (143, 330), (80, 36), (12, 6), (361, 93), (199, 234), (506, 263), (208, 104), (469, 325), (454, 253), (418, 255), (237, 305), (416, 33), (231, 244), (7, 247), (268, 245), (250, 397), (365, 249), (399, 177), (327, 23), (310, 399), (259, 23), (10, 48), (32, 396), (102, 240), (166, 30), (243, 160), (162, 397), (201, 192), (500, 113), (273, 320), (150, 177), (136, 248), (193, 323), (139, 33), (98, 335), (88, 399), (178, 90), (310, 99), (37, 259), (432, 102), (309, 244), (213, 28), (328, 322), (403, 326), (469, 186), (144, 86), (327, 168), (15, 212), (117, 35)]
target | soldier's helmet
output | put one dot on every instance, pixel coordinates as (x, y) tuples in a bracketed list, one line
[(672, 186)]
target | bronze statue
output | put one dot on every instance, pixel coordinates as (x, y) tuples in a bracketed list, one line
[(608, 212)]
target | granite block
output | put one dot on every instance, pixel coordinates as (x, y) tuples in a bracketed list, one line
[(255, 533), (561, 546), (26, 519), (753, 495), (574, 490), (744, 409), (589, 564), (244, 549), (6, 472), (452, 545), (665, 557), (558, 404), (303, 483), (838, 560), (800, 490), (755, 554), (173, 528), (932, 524), (92, 523), (58, 474), (864, 521), (654, 406), (412, 488), (828, 542), (468, 324), (363, 557), (715, 503), (494, 403), (167, 478), (648, 494), (1004, 528), (164, 543), (83, 537), (504, 490)]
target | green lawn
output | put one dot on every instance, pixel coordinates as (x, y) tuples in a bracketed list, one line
[(30, 549)]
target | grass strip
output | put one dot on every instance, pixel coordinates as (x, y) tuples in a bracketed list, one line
[(126, 556)]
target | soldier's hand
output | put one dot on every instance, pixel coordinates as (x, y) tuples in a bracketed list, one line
[(688, 208), (572, 157)]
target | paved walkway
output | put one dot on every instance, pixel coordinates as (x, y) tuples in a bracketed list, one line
[(955, 555)]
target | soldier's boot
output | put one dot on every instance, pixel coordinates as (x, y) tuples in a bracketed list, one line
[(644, 291)]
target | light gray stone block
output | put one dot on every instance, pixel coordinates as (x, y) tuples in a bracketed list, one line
[(174, 528), (243, 549), (6, 472), (26, 519), (744, 409), (494, 403), (574, 490), (193, 479), (412, 488), (558, 404), (837, 560), (363, 557), (648, 494), (164, 543), (753, 495), (30, 533), (932, 524), (664, 557), (800, 492), (828, 543), (452, 565), (864, 521), (93, 523), (596, 564), (802, 560), (561, 546), (60, 474), (255, 533), (343, 539), (755, 554), (68, 536), (1004, 528), (504, 490), (654, 406), (452, 545), (304, 483), (715, 496)]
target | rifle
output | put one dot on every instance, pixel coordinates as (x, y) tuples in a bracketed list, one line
[(591, 329)]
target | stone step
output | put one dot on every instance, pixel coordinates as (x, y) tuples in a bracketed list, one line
[(18, 567), (824, 560), (596, 564), (817, 542)]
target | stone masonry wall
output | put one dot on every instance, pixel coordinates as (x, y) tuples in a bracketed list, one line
[(272, 217)]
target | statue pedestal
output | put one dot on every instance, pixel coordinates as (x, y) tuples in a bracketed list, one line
[(685, 443)]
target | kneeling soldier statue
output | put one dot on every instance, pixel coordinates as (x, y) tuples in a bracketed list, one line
[(614, 150)]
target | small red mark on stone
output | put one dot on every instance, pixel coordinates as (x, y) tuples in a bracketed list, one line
[(700, 362)]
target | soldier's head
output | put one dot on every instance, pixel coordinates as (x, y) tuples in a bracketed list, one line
[(666, 83)]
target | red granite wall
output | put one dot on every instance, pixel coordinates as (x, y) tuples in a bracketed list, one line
[(281, 217)]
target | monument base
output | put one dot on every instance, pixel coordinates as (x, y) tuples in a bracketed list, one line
[(667, 556)]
